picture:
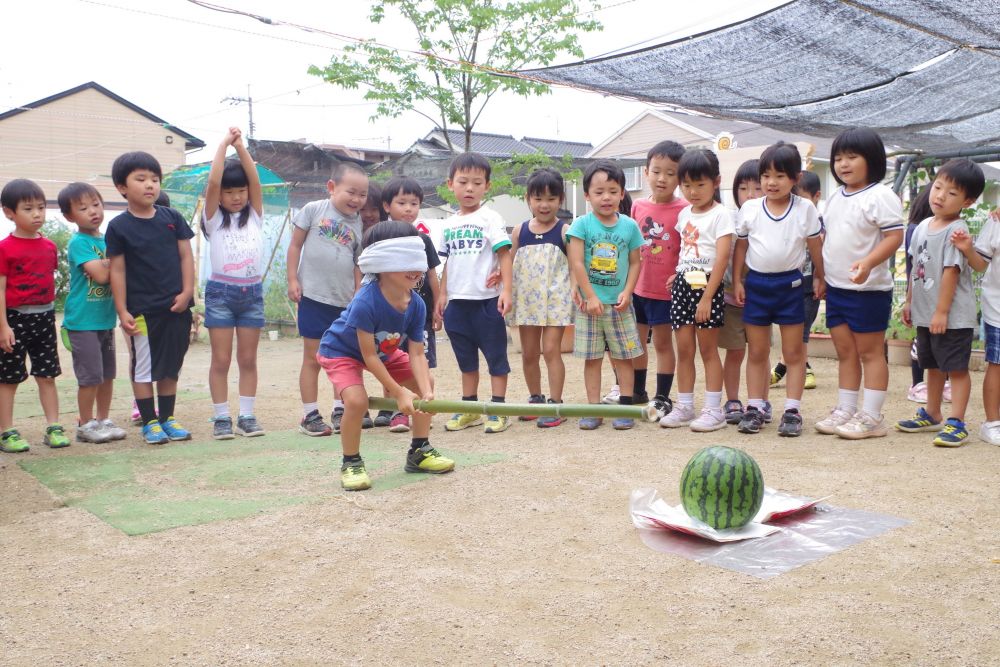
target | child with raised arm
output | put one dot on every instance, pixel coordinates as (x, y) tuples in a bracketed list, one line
[(604, 259), (772, 236), (657, 219), (28, 263), (385, 316), (474, 242), (322, 278), (980, 257), (234, 296), (89, 314), (941, 302), (697, 308), (543, 291), (152, 280), (864, 228)]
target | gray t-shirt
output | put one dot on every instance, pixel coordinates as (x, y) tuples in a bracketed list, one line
[(329, 253), (932, 252)]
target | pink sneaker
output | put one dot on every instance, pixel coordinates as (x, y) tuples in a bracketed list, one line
[(946, 394), (917, 393), (399, 423), (136, 417)]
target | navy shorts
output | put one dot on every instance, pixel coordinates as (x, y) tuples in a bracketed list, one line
[(232, 305), (811, 306), (862, 311), (430, 344), (651, 312), (315, 317), (773, 298), (474, 326)]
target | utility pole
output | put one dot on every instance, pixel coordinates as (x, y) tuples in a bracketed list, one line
[(249, 102)]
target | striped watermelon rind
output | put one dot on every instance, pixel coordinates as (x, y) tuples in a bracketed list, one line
[(723, 487)]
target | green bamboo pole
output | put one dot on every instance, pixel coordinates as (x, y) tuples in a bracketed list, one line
[(517, 409)]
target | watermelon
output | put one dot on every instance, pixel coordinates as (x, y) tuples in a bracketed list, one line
[(722, 487)]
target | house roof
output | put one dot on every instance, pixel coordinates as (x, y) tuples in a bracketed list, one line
[(497, 145), (190, 141), (559, 148)]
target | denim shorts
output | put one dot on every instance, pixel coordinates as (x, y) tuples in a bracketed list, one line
[(231, 305)]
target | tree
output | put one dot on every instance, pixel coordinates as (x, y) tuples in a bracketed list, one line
[(509, 176), (450, 78)]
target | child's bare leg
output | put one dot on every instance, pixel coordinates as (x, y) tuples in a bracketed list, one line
[(935, 389), (708, 345), (871, 350), (470, 383), (961, 388), (731, 373), (641, 362), (421, 420), (848, 360), (85, 397), (685, 358), (247, 340), (531, 351), (663, 343), (991, 392), (221, 339), (592, 378), (626, 377), (355, 406), (794, 360), (554, 366), (309, 373), (49, 398), (105, 391), (498, 384), (7, 392), (758, 360)]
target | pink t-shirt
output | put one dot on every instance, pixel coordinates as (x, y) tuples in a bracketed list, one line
[(661, 245)]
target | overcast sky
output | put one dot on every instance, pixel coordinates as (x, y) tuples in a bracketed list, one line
[(178, 61)]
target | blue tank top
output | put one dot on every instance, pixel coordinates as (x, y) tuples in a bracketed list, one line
[(554, 236)]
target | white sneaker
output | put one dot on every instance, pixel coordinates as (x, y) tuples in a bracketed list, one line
[(681, 415), (113, 431), (612, 396), (92, 432), (989, 433), (837, 417), (710, 419), (861, 426)]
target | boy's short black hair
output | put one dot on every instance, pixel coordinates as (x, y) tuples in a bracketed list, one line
[(470, 162), (19, 190), (73, 193), (546, 179), (233, 175), (341, 168), (387, 229), (668, 149), (783, 158), (126, 163), (625, 207), (809, 184), (163, 199), (401, 185), (748, 171), (610, 169), (697, 164), (866, 143), (966, 174)]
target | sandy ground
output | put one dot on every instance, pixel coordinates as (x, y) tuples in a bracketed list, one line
[(533, 560)]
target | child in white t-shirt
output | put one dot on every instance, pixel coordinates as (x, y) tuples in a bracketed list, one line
[(696, 308), (772, 235)]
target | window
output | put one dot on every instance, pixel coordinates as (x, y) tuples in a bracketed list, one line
[(633, 178)]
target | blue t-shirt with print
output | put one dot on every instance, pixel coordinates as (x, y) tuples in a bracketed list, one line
[(89, 305), (606, 252), (369, 311)]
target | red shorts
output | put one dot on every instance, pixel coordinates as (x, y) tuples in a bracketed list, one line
[(346, 372)]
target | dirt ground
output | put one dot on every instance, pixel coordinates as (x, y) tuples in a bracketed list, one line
[(531, 560)]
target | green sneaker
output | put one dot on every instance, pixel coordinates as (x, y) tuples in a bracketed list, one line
[(354, 477), (55, 437), (460, 421), (427, 459), (496, 424), (12, 442)]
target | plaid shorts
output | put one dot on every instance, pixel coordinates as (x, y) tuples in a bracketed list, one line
[(612, 328), (992, 343)]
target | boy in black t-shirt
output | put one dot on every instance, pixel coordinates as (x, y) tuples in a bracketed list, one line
[(152, 280)]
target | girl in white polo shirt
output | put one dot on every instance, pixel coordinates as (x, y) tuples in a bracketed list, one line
[(864, 228)]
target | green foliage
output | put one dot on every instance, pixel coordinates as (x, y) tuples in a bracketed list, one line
[(60, 234), (509, 176), (459, 44)]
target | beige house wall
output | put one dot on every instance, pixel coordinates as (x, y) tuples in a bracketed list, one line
[(77, 138)]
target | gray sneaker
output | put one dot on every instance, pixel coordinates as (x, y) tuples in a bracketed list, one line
[(113, 430), (768, 412), (92, 432), (313, 425), (222, 428), (791, 424), (246, 425)]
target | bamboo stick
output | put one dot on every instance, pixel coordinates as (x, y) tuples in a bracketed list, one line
[(517, 409)]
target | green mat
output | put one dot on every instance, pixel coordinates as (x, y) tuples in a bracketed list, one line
[(26, 402), (147, 489)]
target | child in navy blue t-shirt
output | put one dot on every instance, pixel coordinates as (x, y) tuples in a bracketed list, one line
[(382, 331)]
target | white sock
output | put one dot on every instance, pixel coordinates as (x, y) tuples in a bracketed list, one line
[(246, 405), (221, 409), (756, 403), (873, 401), (792, 404), (337, 403), (309, 407), (686, 399), (713, 399), (847, 400)]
